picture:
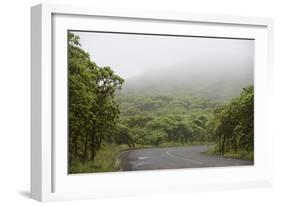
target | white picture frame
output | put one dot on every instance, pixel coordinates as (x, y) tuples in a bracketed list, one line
[(49, 179)]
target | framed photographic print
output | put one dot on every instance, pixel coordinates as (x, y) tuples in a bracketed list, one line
[(135, 102)]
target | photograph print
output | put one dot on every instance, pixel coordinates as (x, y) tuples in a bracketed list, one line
[(141, 102)]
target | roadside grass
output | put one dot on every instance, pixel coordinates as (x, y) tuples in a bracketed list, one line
[(241, 154), (105, 160)]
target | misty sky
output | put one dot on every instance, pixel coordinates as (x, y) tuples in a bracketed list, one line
[(130, 55)]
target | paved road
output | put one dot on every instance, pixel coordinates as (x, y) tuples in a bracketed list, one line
[(174, 158)]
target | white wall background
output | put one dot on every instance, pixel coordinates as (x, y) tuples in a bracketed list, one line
[(15, 101)]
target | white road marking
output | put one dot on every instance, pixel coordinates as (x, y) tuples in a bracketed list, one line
[(168, 153), (137, 165), (143, 163), (143, 158)]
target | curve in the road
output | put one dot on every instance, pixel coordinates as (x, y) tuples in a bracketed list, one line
[(174, 158)]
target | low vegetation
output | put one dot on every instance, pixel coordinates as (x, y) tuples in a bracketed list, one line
[(105, 160)]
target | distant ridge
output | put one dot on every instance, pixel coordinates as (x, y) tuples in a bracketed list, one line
[(214, 83)]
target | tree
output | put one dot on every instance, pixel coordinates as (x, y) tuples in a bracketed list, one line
[(93, 111), (183, 131), (233, 124), (156, 137), (122, 134)]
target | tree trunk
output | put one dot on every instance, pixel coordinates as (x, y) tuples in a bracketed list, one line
[(219, 145), (93, 151), (223, 143), (76, 147), (235, 147), (85, 153), (93, 148), (99, 142)]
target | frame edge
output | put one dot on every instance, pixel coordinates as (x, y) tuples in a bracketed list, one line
[(36, 118), (39, 190)]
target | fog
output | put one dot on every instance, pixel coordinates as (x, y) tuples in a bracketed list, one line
[(148, 61)]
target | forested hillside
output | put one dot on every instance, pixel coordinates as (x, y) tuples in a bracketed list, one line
[(108, 113), (156, 119), (221, 83)]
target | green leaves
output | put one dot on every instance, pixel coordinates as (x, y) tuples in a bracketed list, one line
[(93, 111), (233, 125)]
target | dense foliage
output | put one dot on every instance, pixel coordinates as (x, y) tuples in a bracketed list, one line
[(157, 119), (100, 117), (93, 111), (232, 126)]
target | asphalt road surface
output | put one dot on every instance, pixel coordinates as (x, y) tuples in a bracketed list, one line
[(174, 158)]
